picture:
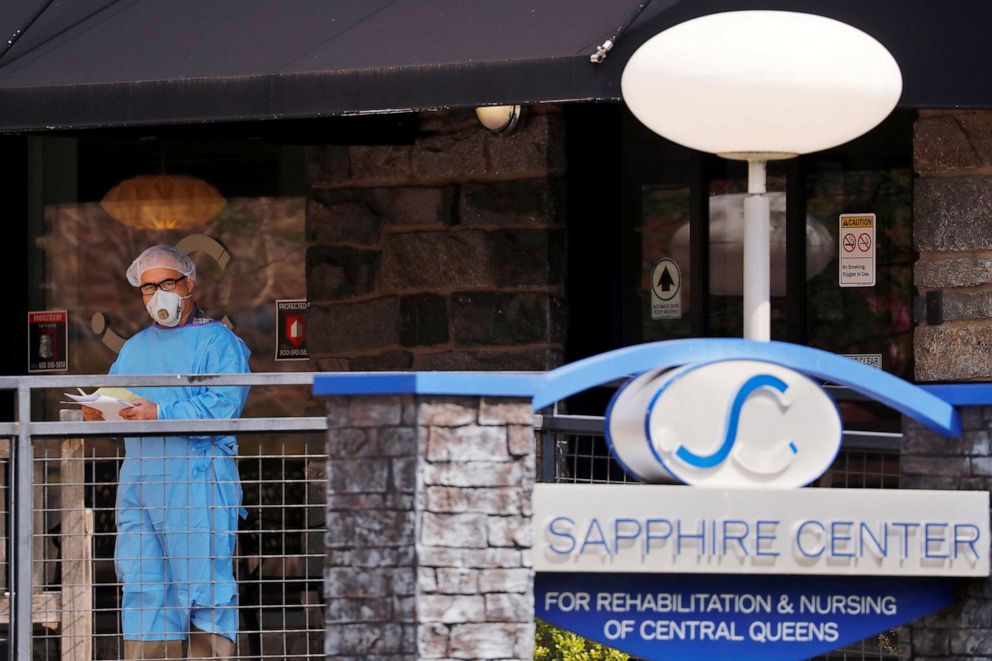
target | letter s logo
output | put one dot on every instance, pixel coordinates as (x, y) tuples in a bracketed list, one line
[(716, 458), (732, 423)]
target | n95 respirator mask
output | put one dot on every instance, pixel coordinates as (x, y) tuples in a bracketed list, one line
[(166, 307)]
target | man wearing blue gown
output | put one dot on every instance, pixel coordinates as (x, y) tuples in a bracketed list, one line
[(179, 497)]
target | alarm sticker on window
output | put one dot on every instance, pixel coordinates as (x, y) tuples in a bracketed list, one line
[(291, 330)]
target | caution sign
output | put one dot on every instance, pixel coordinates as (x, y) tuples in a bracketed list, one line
[(291, 330), (48, 341), (666, 290), (857, 250)]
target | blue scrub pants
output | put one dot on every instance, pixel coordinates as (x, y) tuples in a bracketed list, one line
[(177, 518)]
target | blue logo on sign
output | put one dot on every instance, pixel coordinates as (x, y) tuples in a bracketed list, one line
[(560, 384), (724, 423), (752, 384)]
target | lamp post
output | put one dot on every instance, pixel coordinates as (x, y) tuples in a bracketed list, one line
[(758, 86)]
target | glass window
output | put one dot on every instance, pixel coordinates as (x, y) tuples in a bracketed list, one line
[(677, 190), (236, 207)]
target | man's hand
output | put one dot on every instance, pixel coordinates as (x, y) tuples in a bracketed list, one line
[(142, 410), (90, 414)]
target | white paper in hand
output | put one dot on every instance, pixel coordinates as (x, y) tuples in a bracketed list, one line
[(110, 407)]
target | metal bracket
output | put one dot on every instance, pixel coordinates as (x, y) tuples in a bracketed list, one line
[(935, 308), (929, 308)]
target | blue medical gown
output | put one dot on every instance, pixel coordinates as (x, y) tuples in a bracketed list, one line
[(179, 497)]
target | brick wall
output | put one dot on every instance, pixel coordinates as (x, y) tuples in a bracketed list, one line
[(952, 218), (429, 528), (446, 254)]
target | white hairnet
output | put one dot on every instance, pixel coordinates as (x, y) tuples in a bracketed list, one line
[(160, 257)]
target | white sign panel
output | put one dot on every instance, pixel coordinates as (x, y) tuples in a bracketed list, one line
[(677, 529), (857, 250), (666, 290), (733, 423)]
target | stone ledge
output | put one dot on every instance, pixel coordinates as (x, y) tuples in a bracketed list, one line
[(509, 358), (438, 260), (463, 152), (952, 141), (353, 326), (956, 306), (954, 351), (965, 271), (953, 213), (467, 443), (340, 273), (505, 318), (335, 218)]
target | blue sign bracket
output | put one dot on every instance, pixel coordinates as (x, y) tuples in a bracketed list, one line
[(925, 405)]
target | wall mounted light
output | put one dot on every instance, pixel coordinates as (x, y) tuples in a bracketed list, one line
[(501, 120), (756, 86)]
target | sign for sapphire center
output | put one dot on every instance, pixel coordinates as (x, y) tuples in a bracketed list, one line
[(732, 617), (675, 529)]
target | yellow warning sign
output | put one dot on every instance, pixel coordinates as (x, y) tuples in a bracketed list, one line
[(852, 220), (857, 250)]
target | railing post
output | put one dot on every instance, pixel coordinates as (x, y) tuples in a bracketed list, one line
[(22, 505)]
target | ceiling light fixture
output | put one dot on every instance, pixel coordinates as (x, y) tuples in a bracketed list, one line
[(501, 120)]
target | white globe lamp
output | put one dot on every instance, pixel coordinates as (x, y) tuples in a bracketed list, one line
[(756, 86)]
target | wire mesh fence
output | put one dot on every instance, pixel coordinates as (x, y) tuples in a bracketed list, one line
[(145, 547), (277, 558)]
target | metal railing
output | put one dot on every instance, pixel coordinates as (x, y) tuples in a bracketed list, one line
[(571, 445), (27, 434), (573, 449)]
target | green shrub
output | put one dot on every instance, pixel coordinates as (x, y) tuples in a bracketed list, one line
[(554, 644)]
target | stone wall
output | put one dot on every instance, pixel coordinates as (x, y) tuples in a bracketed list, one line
[(444, 254), (964, 631), (429, 528), (952, 209)]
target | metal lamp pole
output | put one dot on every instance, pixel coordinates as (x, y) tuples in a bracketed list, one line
[(757, 256)]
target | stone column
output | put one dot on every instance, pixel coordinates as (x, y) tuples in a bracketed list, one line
[(429, 528), (952, 230)]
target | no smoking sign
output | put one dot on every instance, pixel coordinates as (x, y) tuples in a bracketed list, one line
[(857, 250), (861, 242)]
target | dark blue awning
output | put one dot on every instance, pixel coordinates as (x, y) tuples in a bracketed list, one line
[(86, 63)]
